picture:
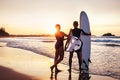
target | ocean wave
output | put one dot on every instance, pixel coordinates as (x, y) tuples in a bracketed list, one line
[(106, 40), (32, 44), (101, 54), (48, 41), (113, 45)]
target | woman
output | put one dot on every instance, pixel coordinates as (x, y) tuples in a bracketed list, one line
[(59, 48)]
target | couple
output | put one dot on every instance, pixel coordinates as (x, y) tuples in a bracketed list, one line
[(59, 46)]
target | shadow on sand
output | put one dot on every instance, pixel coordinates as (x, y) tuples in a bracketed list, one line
[(10, 74)]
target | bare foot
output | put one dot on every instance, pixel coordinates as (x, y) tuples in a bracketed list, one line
[(51, 68), (57, 70)]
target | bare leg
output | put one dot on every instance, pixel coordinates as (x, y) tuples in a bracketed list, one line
[(70, 60), (56, 58), (59, 58), (79, 55)]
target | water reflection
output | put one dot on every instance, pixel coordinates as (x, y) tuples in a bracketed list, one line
[(54, 77), (82, 76)]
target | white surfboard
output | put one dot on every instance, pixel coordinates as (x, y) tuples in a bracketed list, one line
[(86, 39), (74, 44)]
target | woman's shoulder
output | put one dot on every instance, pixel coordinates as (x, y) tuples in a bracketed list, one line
[(61, 32)]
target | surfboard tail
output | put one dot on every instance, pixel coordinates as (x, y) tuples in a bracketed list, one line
[(86, 64), (89, 60)]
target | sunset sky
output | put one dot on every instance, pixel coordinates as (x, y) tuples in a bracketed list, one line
[(40, 16)]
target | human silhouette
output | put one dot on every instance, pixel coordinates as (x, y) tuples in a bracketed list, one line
[(76, 32), (59, 47)]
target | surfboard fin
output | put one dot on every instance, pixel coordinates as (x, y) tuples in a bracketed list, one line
[(89, 61), (85, 64)]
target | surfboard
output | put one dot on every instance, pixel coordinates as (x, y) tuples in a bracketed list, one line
[(74, 44), (86, 39)]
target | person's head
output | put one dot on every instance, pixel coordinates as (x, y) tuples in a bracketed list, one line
[(75, 24), (57, 26)]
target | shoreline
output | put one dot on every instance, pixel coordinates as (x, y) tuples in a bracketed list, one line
[(19, 64)]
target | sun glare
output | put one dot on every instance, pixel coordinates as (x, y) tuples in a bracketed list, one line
[(52, 30), (51, 22)]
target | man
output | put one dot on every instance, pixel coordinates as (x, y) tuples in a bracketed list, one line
[(76, 32)]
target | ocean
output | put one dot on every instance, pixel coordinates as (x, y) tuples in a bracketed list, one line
[(105, 52)]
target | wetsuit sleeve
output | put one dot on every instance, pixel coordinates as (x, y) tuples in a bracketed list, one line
[(85, 32)]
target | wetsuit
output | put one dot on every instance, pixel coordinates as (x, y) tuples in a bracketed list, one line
[(76, 32), (59, 37)]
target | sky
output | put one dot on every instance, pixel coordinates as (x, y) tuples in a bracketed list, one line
[(40, 16)]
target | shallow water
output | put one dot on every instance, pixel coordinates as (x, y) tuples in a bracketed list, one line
[(105, 52)]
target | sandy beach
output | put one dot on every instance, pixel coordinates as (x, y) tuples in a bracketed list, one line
[(19, 64)]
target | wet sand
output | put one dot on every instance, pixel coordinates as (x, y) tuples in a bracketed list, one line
[(19, 64)]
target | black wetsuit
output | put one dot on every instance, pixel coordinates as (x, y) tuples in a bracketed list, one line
[(59, 39), (76, 32)]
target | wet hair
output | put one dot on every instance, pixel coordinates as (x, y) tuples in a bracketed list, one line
[(57, 26), (75, 23)]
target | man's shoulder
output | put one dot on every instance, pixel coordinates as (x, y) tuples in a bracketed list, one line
[(77, 29)]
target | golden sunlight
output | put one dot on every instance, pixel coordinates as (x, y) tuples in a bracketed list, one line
[(51, 22), (51, 30)]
